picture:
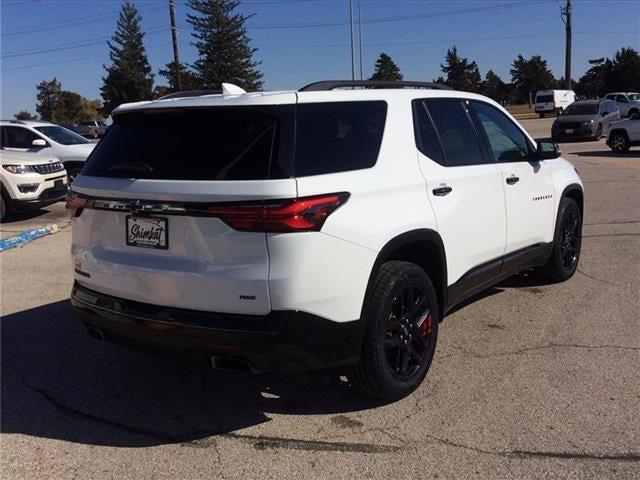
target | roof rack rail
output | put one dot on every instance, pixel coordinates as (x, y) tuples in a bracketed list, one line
[(334, 84), (21, 122), (189, 93)]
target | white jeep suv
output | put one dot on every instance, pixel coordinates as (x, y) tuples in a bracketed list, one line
[(30, 181), (47, 139), (324, 227)]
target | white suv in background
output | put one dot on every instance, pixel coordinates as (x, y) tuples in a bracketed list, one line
[(49, 139), (324, 227), (30, 181)]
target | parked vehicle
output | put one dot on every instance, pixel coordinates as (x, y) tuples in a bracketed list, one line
[(628, 102), (91, 129), (316, 228), (30, 181), (48, 139), (553, 101), (624, 134), (585, 119)]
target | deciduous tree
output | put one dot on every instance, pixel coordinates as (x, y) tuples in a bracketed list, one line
[(529, 76)]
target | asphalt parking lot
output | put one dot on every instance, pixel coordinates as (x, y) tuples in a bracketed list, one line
[(529, 380)]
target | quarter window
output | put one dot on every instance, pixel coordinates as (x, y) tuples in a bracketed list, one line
[(506, 141), (457, 134), (426, 135)]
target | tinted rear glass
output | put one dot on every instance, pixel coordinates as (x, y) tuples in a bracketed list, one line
[(544, 99), (337, 137), (196, 144), (241, 143)]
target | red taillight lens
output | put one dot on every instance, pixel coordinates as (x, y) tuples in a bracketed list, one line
[(305, 214), (75, 204)]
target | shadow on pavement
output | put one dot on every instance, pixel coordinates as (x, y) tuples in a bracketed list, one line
[(609, 153), (59, 383), (14, 217)]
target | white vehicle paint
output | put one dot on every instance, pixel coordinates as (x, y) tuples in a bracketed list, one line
[(306, 243), (30, 181), (553, 101), (47, 139)]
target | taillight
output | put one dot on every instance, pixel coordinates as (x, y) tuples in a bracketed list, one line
[(75, 204), (304, 214)]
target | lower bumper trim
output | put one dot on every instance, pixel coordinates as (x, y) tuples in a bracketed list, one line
[(282, 341)]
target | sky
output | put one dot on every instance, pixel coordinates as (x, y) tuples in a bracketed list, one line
[(301, 41)]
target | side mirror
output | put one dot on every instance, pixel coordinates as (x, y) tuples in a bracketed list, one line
[(38, 142), (547, 150)]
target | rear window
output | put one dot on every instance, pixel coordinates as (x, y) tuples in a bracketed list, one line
[(544, 99), (196, 144), (338, 137), (241, 143)]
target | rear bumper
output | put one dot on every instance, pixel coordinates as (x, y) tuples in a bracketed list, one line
[(282, 341)]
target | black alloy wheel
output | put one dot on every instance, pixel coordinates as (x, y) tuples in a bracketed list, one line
[(570, 240)]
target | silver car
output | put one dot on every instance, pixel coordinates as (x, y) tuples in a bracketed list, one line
[(628, 102), (91, 129), (585, 120)]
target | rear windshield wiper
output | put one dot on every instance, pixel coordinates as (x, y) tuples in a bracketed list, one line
[(131, 167)]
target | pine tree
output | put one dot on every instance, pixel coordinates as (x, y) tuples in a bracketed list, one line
[(49, 100), (223, 46), (461, 74), (529, 76), (188, 79), (493, 87), (129, 77), (386, 69)]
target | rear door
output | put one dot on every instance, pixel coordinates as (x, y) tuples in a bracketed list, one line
[(149, 231), (464, 187), (527, 184)]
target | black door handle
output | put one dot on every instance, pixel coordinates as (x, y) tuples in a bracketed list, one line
[(442, 191), (513, 180)]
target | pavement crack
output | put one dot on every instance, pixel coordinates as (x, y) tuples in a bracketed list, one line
[(542, 347), (597, 279)]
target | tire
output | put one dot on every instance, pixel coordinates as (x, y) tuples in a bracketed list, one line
[(631, 112), (567, 242), (541, 115), (619, 142), (399, 340), (3, 208)]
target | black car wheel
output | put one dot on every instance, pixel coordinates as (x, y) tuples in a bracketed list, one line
[(619, 142), (567, 243), (401, 333)]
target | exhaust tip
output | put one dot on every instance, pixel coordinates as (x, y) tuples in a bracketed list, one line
[(230, 364), (95, 333)]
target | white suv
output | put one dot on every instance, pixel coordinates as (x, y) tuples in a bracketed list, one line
[(30, 181), (47, 139), (325, 227)]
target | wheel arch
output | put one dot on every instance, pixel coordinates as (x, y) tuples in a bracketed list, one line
[(423, 247), (619, 130), (574, 192)]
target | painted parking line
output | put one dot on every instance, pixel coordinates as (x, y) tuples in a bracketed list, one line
[(27, 236)]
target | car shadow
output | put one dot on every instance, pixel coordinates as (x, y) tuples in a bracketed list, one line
[(14, 217), (59, 383), (610, 154)]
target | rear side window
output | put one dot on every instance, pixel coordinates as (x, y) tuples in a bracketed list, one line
[(456, 132), (338, 137), (427, 138), (196, 144)]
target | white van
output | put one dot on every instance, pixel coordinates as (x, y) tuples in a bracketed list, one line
[(550, 101)]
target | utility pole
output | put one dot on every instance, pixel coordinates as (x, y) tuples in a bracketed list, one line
[(174, 38), (360, 38), (566, 18), (353, 64)]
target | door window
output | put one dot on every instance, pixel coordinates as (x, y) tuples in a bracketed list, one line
[(18, 137), (457, 134), (506, 141), (621, 99)]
